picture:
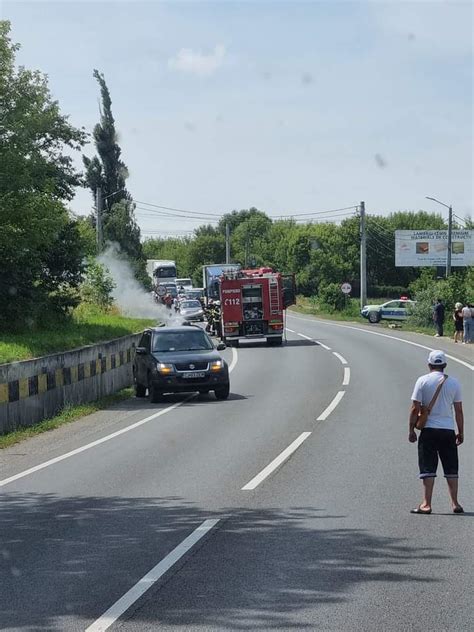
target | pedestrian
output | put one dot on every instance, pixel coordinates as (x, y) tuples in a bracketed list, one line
[(458, 322), (468, 323), (438, 437), (438, 317)]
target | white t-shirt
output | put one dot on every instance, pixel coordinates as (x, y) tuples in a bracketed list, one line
[(442, 413), (466, 312)]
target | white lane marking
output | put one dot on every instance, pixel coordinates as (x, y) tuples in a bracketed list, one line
[(324, 415), (235, 357), (347, 376), (146, 582), (321, 344), (307, 337), (339, 357), (290, 330), (376, 333), (93, 444), (281, 458)]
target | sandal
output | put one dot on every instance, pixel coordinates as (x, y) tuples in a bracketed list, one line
[(458, 510), (419, 510)]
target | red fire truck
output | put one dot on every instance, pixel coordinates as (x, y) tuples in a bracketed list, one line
[(253, 304)]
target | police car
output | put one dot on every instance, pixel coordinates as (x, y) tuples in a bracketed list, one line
[(391, 310)]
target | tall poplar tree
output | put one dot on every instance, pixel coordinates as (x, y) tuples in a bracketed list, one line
[(108, 171)]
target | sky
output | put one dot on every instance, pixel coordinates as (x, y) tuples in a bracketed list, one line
[(291, 107)]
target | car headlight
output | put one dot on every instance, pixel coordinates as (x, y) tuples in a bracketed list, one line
[(217, 365), (164, 369)]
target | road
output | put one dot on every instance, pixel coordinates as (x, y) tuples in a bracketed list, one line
[(185, 519)]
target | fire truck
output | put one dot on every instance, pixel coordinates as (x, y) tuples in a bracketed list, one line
[(253, 304)]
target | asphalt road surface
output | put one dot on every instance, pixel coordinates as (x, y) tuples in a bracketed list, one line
[(285, 507)]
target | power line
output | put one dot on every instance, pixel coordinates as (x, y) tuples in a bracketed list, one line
[(335, 210), (178, 210)]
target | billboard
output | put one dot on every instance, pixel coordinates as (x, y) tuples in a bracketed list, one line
[(430, 248)]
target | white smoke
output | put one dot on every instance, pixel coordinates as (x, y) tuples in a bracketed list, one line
[(128, 294)]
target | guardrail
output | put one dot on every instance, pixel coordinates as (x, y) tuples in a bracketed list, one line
[(33, 390)]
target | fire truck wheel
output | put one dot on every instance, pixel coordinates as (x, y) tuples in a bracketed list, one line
[(222, 392)]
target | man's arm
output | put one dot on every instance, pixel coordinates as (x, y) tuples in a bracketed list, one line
[(459, 414), (414, 412)]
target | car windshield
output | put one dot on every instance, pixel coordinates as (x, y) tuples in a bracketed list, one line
[(191, 305), (181, 341)]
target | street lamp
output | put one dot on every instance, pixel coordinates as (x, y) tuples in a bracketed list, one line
[(450, 232)]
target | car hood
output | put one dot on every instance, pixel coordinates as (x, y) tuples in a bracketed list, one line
[(173, 357), (191, 310)]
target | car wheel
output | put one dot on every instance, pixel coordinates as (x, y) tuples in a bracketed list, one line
[(374, 317), (155, 394), (222, 392), (204, 391)]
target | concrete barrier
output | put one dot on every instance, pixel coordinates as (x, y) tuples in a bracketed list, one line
[(33, 390)]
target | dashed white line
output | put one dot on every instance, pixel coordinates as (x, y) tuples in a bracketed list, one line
[(290, 330), (146, 582), (324, 415), (339, 357), (347, 376), (281, 458), (113, 435), (307, 337)]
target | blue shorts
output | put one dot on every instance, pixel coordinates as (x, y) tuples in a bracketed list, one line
[(435, 443)]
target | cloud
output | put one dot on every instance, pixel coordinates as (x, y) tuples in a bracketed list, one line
[(196, 62)]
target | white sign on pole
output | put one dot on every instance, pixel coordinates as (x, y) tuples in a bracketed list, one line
[(419, 248), (346, 288)]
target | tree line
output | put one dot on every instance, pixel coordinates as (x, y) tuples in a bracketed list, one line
[(320, 254)]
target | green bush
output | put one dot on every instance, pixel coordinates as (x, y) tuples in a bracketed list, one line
[(98, 285), (331, 296)]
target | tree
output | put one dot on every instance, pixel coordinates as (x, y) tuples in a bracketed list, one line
[(40, 245), (108, 171)]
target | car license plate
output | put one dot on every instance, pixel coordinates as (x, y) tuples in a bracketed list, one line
[(193, 374)]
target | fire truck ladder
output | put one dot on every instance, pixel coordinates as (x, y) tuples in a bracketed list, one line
[(274, 297)]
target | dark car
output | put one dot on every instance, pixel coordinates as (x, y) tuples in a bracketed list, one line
[(177, 360)]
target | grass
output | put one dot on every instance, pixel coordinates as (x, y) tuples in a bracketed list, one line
[(66, 416), (87, 325)]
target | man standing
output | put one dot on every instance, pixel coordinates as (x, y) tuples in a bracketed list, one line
[(438, 437), (438, 317)]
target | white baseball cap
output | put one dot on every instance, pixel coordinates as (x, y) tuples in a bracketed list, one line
[(437, 358)]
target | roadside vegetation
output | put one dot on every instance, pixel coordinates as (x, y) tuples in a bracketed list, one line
[(331, 304), (87, 325), (67, 415)]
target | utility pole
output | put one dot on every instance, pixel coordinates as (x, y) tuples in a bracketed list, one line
[(363, 257), (227, 242), (98, 206), (450, 241)]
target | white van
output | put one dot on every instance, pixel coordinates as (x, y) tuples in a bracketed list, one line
[(186, 284)]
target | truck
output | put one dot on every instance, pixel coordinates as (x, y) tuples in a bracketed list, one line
[(161, 271), (211, 275), (253, 303)]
